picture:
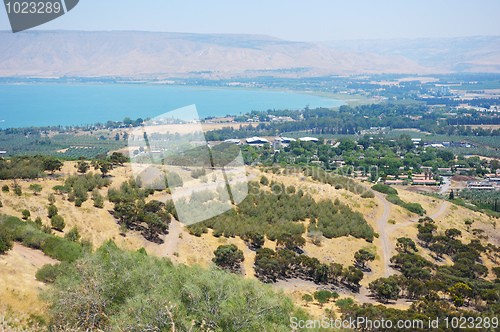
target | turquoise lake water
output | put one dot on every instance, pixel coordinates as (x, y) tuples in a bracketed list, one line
[(65, 104)]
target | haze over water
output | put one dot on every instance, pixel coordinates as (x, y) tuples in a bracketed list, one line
[(64, 104)]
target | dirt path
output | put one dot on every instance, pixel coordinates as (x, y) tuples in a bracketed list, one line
[(34, 257), (384, 236)]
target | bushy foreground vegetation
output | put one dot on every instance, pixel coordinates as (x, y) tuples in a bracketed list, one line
[(114, 290), (271, 266)]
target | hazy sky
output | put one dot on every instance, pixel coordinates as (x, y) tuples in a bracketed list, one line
[(313, 20)]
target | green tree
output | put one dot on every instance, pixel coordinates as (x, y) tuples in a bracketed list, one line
[(26, 214), (5, 239), (57, 223), (452, 195), (363, 256), (452, 233), (52, 165), (73, 235), (35, 188), (228, 257), (323, 296), (290, 242), (98, 201), (496, 271), (352, 276)]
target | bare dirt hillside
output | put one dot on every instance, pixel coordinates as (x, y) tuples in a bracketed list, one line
[(19, 289), (148, 54)]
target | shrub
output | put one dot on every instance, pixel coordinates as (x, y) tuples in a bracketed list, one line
[(394, 199), (5, 188), (1, 204), (385, 189), (18, 191), (228, 257), (52, 199), (57, 223), (264, 181), (62, 249), (78, 202), (307, 298), (344, 303), (26, 214), (49, 273), (133, 291)]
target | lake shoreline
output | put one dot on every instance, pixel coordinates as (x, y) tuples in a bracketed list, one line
[(120, 100)]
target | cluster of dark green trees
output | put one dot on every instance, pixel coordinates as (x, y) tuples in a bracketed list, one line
[(272, 265), (463, 281), (79, 186), (277, 212), (151, 218)]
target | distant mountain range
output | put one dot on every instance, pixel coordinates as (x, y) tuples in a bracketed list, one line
[(163, 55), (465, 54)]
